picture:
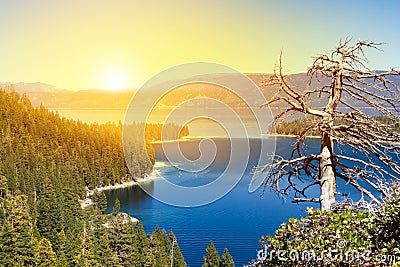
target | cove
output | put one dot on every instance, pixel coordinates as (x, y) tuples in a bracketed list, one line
[(235, 221)]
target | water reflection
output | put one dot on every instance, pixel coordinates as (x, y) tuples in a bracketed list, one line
[(131, 197)]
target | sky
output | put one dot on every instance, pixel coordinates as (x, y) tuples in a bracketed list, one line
[(94, 44)]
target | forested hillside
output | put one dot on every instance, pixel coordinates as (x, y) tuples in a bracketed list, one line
[(45, 164), (298, 126), (50, 236), (37, 143)]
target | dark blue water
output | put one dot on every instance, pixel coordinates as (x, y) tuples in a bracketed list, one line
[(236, 221)]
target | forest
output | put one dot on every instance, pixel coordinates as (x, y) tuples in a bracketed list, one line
[(38, 145), (46, 164), (297, 126)]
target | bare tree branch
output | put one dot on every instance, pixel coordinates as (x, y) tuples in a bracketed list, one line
[(347, 83)]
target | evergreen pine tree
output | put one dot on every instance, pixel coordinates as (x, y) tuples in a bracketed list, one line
[(95, 231), (23, 245), (212, 258), (151, 253), (103, 253), (6, 245), (71, 214), (79, 260), (141, 243), (178, 260), (49, 218), (61, 248), (227, 260), (117, 207), (46, 257), (83, 251), (166, 240), (150, 259), (158, 245), (100, 200), (121, 236)]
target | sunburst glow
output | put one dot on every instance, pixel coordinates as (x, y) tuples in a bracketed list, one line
[(115, 81)]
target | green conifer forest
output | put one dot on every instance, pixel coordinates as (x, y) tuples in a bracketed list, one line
[(46, 164)]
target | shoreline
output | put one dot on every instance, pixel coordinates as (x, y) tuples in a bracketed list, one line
[(154, 175), (290, 136), (190, 138)]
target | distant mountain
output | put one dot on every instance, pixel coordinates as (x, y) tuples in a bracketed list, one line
[(181, 93), (54, 98), (85, 99), (22, 87)]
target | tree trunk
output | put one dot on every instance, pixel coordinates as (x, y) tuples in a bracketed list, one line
[(327, 177), (326, 174)]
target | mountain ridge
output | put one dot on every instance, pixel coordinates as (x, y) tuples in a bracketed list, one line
[(57, 99)]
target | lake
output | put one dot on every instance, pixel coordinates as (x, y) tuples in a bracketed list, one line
[(236, 221), (197, 127)]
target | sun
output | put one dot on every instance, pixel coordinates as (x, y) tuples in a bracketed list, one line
[(115, 81)]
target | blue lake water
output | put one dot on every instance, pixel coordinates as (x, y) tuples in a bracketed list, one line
[(235, 221)]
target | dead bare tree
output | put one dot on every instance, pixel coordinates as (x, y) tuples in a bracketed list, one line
[(351, 84)]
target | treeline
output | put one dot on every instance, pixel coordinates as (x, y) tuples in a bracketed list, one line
[(296, 127), (141, 158), (37, 143), (45, 164), (89, 238)]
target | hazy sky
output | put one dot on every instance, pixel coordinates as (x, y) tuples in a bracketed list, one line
[(83, 44)]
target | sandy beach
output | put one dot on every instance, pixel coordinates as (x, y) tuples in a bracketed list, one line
[(154, 175)]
